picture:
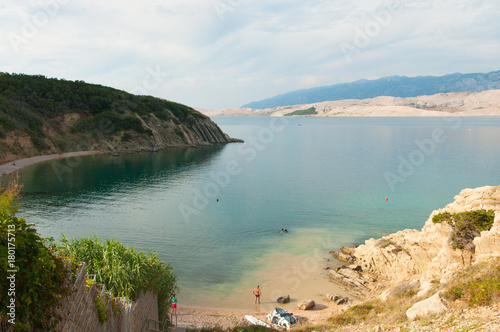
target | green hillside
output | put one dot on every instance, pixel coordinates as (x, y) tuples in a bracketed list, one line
[(27, 101), (40, 115)]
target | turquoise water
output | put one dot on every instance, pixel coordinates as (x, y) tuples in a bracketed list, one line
[(323, 179)]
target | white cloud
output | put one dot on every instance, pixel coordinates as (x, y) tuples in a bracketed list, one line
[(224, 53)]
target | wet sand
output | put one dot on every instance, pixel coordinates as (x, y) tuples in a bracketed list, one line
[(301, 277)]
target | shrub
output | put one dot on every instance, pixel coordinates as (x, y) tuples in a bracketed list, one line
[(466, 226), (178, 132), (440, 217), (128, 122), (41, 278), (126, 137), (9, 197), (126, 272), (477, 285)]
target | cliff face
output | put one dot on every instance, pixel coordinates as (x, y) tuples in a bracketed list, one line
[(428, 254), (60, 136)]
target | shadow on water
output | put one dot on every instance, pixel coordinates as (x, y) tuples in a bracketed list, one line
[(101, 174)]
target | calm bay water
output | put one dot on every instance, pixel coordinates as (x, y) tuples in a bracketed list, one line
[(323, 179)]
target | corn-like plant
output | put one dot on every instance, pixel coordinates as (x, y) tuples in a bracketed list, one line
[(125, 271)]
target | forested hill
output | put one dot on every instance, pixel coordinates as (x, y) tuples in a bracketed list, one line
[(40, 115)]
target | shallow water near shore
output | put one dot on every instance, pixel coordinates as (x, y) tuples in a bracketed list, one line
[(215, 213)]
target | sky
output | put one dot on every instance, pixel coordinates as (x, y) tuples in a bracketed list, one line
[(216, 54)]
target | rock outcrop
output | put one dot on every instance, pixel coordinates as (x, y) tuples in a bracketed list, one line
[(337, 299), (432, 305), (306, 304), (426, 255), (158, 134)]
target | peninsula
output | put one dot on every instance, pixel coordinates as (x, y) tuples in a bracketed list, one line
[(46, 116)]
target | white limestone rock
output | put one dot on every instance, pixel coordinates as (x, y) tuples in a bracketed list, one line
[(432, 305)]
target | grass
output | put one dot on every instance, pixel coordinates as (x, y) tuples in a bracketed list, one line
[(385, 242), (371, 311), (376, 312), (479, 285)]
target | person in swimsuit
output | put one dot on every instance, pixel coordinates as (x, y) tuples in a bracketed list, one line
[(257, 294), (174, 305)]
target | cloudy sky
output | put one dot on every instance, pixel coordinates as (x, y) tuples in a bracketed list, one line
[(224, 53)]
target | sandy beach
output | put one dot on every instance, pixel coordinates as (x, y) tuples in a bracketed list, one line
[(226, 312), (14, 166), (197, 318)]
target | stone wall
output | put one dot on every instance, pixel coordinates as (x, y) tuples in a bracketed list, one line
[(79, 311)]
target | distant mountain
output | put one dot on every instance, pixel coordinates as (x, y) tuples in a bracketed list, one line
[(394, 86)]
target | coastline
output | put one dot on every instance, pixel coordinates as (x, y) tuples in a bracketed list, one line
[(192, 317), (14, 166), (230, 314), (227, 319)]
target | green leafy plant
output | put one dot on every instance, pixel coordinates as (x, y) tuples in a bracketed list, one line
[(41, 277), (101, 309), (477, 285), (466, 226), (126, 272), (116, 307), (9, 196), (89, 283)]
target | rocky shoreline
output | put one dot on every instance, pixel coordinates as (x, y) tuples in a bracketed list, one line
[(379, 268), (407, 262), (420, 259)]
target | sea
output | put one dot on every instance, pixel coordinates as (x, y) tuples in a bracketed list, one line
[(215, 213)]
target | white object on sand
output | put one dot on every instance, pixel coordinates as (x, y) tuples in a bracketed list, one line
[(256, 321)]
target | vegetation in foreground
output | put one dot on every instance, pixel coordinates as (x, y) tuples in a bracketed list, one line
[(125, 271), (43, 273), (39, 282)]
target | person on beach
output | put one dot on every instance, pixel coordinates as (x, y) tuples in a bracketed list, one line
[(174, 305), (257, 294)]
